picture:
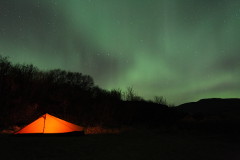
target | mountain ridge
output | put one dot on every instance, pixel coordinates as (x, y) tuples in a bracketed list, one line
[(211, 105)]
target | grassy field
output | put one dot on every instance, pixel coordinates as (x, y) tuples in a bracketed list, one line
[(128, 146)]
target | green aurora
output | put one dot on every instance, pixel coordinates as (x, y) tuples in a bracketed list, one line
[(183, 50)]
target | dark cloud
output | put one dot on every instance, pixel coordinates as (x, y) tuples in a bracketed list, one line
[(229, 64), (232, 85), (97, 62), (226, 64)]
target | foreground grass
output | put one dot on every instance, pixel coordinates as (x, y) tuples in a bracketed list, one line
[(139, 146)]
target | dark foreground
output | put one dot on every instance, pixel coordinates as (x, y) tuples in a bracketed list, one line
[(128, 146)]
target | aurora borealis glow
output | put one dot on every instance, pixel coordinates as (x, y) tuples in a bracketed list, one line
[(183, 50)]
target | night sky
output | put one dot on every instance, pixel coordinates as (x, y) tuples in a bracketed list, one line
[(183, 50)]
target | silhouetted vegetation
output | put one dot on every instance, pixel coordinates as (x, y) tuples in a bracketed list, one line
[(27, 92)]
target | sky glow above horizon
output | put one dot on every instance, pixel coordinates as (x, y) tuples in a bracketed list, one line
[(183, 50)]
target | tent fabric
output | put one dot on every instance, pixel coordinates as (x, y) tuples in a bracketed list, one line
[(49, 124)]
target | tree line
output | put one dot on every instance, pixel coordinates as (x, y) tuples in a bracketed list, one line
[(27, 92)]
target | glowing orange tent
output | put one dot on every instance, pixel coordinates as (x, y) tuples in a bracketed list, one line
[(49, 124)]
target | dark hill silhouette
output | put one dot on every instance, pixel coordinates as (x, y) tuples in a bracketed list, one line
[(214, 115), (212, 106)]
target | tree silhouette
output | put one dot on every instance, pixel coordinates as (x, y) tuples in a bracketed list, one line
[(27, 92), (130, 95), (160, 100)]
